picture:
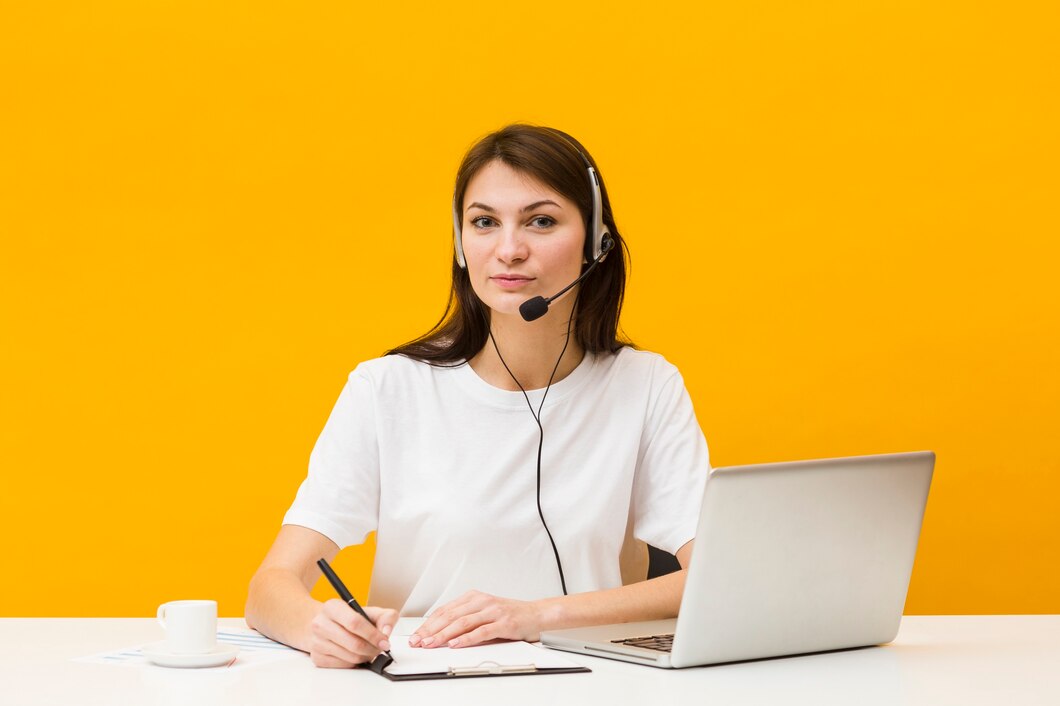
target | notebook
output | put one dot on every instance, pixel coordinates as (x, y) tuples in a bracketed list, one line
[(790, 558)]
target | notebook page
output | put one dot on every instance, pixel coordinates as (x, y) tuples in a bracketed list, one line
[(421, 660)]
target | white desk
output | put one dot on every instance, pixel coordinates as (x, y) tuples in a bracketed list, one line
[(936, 660)]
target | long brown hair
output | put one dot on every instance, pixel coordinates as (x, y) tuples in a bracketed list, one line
[(551, 157)]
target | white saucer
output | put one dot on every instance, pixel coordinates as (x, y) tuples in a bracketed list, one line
[(221, 654)]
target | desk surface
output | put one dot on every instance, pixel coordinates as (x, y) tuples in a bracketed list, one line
[(935, 660)]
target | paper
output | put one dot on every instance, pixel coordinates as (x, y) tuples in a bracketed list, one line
[(254, 648), (423, 660)]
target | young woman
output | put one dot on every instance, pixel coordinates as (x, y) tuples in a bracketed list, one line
[(507, 465)]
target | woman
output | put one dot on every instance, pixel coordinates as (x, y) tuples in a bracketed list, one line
[(497, 515)]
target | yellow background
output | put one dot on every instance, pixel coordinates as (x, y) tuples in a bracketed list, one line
[(843, 219)]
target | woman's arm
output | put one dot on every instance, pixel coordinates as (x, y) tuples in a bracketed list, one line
[(478, 617), (279, 604)]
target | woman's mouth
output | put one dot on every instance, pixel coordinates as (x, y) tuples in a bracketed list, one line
[(511, 281)]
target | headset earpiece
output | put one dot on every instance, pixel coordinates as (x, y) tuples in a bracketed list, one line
[(458, 244)]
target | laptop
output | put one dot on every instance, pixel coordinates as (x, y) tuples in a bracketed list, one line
[(790, 558)]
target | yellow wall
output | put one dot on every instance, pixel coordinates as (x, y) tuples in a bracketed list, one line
[(843, 219)]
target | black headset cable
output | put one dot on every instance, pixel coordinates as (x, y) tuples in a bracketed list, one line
[(541, 430)]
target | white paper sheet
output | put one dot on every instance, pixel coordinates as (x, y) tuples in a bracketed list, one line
[(254, 649), (423, 660)]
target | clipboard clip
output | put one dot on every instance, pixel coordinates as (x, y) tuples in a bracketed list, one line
[(489, 667)]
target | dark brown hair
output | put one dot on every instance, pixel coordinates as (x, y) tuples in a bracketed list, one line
[(551, 157)]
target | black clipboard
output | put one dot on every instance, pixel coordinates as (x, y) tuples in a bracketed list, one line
[(483, 669)]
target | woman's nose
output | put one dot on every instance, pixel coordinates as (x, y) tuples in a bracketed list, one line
[(511, 246)]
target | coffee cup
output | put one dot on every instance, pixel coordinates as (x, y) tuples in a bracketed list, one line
[(191, 626)]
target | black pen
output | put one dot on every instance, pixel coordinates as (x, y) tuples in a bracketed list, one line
[(344, 594)]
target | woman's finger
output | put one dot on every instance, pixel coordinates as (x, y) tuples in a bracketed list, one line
[(384, 618), (330, 654), (444, 616), (356, 624), (483, 633), (335, 642), (348, 645), (458, 627)]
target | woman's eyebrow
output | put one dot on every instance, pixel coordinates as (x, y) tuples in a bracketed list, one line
[(531, 207), (539, 204)]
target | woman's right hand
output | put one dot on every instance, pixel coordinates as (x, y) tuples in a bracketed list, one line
[(341, 638)]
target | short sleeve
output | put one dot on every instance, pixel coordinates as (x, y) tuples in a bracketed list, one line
[(672, 467), (340, 496)]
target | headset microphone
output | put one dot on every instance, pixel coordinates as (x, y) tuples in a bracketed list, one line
[(534, 309)]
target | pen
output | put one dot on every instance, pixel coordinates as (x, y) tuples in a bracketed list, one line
[(344, 594)]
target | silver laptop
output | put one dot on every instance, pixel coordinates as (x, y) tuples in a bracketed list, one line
[(789, 558)]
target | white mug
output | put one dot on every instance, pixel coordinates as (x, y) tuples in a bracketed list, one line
[(191, 626)]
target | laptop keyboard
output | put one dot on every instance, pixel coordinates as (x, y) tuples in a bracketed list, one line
[(661, 643)]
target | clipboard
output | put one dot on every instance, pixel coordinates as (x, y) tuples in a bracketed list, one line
[(505, 659)]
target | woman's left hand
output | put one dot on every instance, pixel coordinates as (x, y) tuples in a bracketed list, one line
[(477, 617)]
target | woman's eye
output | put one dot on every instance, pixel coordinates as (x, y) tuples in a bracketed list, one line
[(477, 221), (544, 222)]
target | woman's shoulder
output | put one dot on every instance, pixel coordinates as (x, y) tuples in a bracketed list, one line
[(640, 362), (396, 367)]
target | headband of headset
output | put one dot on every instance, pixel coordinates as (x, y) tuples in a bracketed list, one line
[(595, 245)]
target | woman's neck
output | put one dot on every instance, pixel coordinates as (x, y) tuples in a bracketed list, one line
[(530, 350)]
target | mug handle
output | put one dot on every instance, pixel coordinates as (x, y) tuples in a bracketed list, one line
[(161, 616)]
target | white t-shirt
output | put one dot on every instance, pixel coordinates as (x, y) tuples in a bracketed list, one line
[(444, 467)]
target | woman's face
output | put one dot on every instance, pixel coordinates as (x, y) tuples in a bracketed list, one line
[(521, 239)]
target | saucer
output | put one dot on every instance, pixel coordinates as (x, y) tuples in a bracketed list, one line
[(221, 654)]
